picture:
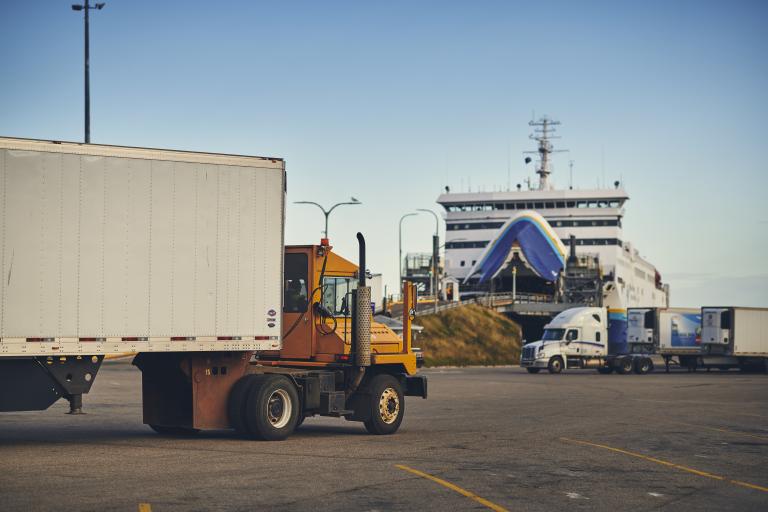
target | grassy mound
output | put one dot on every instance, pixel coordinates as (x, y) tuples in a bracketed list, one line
[(469, 335)]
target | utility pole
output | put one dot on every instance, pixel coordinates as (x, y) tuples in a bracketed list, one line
[(87, 7), (435, 255), (400, 251)]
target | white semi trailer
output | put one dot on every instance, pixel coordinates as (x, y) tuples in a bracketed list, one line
[(672, 333), (735, 336)]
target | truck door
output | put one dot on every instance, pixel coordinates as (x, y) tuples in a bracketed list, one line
[(297, 327)]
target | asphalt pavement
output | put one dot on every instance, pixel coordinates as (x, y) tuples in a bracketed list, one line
[(486, 439)]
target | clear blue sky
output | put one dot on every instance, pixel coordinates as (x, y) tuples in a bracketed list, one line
[(392, 101)]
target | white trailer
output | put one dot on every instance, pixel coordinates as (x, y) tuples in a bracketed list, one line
[(109, 249), (672, 333), (738, 336)]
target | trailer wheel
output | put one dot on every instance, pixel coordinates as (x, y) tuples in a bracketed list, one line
[(271, 408), (643, 366), (387, 405), (236, 403), (533, 370), (605, 370), (555, 365), (164, 430), (624, 366)]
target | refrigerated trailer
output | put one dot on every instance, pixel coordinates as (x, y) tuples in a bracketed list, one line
[(736, 336), (179, 257), (672, 333)]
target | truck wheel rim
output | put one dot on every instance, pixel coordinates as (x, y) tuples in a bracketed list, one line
[(279, 408), (389, 406)]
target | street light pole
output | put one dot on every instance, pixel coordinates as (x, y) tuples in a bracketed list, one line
[(87, 7), (435, 254), (327, 213), (400, 249)]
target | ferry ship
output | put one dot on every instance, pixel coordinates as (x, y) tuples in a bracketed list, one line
[(590, 218)]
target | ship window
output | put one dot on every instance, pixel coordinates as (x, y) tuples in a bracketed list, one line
[(581, 204), (538, 206), (614, 204), (570, 204), (594, 223), (560, 204), (559, 224), (593, 204), (602, 204), (549, 205)]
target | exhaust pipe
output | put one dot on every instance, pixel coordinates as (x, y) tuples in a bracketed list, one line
[(363, 312)]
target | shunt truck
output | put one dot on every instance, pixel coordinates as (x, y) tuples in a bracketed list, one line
[(179, 257)]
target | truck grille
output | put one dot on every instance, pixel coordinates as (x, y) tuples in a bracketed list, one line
[(529, 353)]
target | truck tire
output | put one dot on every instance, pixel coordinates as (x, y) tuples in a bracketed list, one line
[(605, 370), (236, 403), (624, 365), (533, 370), (271, 408), (387, 405), (555, 365), (643, 365), (164, 430)]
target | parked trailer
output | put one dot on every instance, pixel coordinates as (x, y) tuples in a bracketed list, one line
[(585, 337), (673, 333), (735, 336), (179, 257)]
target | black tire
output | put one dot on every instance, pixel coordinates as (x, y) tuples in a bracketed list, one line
[(387, 405), (271, 408), (555, 365), (533, 370), (643, 365), (236, 404), (605, 370), (164, 430), (624, 365), (299, 421)]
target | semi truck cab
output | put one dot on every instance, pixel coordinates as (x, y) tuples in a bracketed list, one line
[(579, 338)]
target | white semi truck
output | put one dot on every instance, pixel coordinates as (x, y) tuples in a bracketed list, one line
[(179, 257), (673, 333), (585, 337)]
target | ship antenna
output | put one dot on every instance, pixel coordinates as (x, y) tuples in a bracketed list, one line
[(570, 178), (542, 133)]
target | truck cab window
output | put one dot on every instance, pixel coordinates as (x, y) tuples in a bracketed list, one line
[(553, 334), (573, 334), (295, 285), (337, 295)]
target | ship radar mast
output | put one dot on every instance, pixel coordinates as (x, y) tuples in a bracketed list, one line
[(543, 131)]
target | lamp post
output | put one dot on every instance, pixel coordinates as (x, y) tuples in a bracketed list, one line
[(400, 249), (435, 253), (87, 7), (327, 213)]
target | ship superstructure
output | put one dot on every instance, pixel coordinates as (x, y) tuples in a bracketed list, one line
[(593, 217)]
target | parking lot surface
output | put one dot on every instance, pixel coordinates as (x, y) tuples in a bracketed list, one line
[(486, 439)]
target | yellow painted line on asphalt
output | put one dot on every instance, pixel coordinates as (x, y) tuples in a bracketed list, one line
[(145, 507), (491, 505), (723, 430), (667, 463)]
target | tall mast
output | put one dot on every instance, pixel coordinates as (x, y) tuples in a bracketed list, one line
[(542, 133)]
